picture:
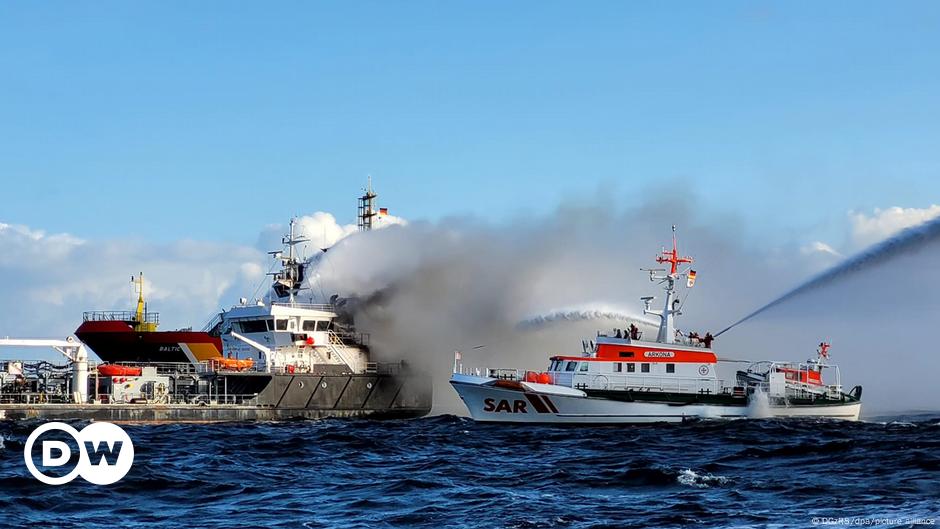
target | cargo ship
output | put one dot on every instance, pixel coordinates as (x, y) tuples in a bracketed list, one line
[(619, 377), (272, 358)]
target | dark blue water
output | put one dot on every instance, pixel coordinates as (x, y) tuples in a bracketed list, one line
[(447, 471)]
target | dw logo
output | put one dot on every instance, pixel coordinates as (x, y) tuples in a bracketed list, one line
[(106, 453)]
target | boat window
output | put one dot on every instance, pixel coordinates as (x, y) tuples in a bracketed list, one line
[(584, 366), (551, 366), (270, 324), (645, 368), (618, 367), (631, 368), (291, 324), (280, 325), (626, 354), (253, 326), (670, 368), (571, 366), (323, 325), (310, 325)]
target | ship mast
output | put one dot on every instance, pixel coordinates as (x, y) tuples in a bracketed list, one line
[(141, 306), (367, 208), (667, 327), (288, 280), (142, 321)]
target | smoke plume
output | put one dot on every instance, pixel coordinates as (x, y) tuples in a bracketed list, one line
[(512, 295)]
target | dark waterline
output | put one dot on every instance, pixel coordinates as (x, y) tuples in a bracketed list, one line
[(449, 471)]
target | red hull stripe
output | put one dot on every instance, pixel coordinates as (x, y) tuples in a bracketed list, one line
[(551, 404), (536, 402)]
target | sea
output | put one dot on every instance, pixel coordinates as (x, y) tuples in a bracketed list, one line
[(448, 471)]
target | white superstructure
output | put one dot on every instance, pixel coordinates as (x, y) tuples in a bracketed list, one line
[(281, 334)]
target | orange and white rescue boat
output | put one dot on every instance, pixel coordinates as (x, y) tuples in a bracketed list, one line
[(621, 378)]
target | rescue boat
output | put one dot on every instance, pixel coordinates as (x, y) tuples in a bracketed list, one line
[(621, 378), (114, 370)]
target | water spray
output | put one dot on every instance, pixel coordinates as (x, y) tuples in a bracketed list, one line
[(907, 241), (585, 314)]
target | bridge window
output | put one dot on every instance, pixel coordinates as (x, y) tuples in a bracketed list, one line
[(618, 367), (670, 368), (626, 354), (571, 366), (310, 325), (323, 325), (253, 326), (631, 368), (645, 368), (280, 325), (584, 366)]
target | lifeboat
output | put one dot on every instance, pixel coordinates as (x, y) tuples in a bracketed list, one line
[(114, 370), (233, 364)]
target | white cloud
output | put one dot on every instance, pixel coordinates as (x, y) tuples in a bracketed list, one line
[(819, 247), (48, 280), (883, 223), (322, 229)]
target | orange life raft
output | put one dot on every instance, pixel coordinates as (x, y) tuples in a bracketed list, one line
[(113, 370)]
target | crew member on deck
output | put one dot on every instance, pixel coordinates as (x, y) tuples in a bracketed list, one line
[(708, 339), (634, 332)]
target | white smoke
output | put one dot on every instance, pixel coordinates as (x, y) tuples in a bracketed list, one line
[(528, 290)]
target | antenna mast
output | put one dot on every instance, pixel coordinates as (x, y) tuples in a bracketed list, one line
[(288, 280), (367, 208), (667, 328)]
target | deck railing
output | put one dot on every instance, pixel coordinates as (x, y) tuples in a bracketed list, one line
[(120, 315)]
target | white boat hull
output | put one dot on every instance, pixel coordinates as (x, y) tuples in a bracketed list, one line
[(545, 403)]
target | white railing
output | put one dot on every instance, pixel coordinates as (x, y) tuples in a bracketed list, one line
[(334, 339), (326, 307)]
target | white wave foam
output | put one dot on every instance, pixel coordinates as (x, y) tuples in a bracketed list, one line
[(694, 479)]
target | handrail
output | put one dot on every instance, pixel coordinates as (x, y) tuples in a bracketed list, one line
[(120, 315), (334, 337), (327, 307)]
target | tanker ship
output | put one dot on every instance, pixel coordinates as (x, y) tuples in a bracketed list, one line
[(619, 377), (268, 359)]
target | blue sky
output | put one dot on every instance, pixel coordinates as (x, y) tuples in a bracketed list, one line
[(169, 120)]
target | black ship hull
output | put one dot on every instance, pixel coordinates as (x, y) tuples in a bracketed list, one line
[(260, 397)]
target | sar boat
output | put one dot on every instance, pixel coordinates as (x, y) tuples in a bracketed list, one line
[(621, 378)]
